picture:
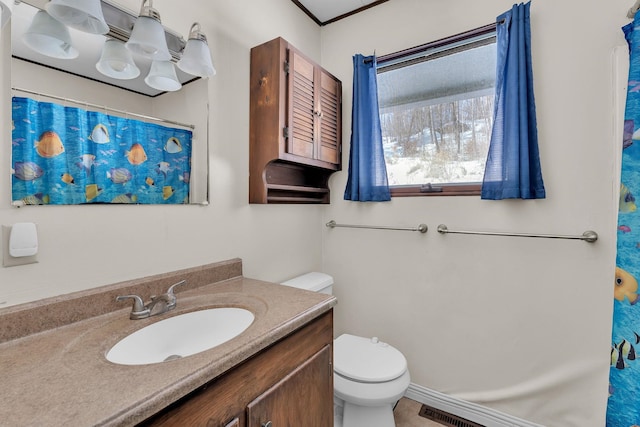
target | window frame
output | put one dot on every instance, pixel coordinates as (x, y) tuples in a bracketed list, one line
[(450, 189)]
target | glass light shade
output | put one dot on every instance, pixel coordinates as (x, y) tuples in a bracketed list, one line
[(5, 12), (83, 15), (148, 39), (196, 59), (49, 37), (162, 76), (116, 61)]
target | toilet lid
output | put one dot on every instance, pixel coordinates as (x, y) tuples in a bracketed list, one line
[(367, 359)]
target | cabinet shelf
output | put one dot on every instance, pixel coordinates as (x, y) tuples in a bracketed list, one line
[(298, 188), (293, 199), (284, 182)]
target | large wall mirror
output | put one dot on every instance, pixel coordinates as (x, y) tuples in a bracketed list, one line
[(77, 83)]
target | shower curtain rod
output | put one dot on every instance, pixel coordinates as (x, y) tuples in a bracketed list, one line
[(632, 12), (105, 108), (422, 228), (587, 236)]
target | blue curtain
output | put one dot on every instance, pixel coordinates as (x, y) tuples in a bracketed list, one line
[(65, 155), (513, 163), (367, 180), (623, 406)]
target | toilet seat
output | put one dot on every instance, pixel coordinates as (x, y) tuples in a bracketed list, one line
[(370, 394), (367, 360)]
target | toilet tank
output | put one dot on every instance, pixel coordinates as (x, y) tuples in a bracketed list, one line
[(314, 281)]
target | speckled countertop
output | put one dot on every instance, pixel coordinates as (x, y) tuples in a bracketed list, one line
[(60, 376)]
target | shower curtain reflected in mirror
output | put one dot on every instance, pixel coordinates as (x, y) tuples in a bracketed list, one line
[(65, 155)]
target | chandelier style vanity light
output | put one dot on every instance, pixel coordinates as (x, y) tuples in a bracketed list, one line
[(196, 58), (128, 38), (82, 15), (162, 76), (48, 36), (116, 61), (147, 38)]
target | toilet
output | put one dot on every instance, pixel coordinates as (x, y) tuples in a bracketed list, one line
[(369, 375)]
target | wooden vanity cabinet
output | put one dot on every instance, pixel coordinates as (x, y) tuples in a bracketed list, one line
[(295, 126), (288, 384)]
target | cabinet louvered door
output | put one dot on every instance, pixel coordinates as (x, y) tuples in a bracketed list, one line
[(330, 121), (302, 108)]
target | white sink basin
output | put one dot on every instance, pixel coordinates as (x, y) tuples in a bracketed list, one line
[(180, 336)]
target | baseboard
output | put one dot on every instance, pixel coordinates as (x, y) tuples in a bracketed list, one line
[(470, 411)]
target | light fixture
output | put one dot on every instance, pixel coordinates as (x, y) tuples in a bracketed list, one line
[(116, 61), (130, 39), (5, 12), (83, 15), (196, 58), (162, 76), (147, 37), (49, 37)]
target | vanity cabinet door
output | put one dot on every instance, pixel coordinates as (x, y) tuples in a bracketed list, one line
[(294, 401)]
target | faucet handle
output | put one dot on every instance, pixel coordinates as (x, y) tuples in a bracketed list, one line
[(138, 311), (171, 296), (172, 287)]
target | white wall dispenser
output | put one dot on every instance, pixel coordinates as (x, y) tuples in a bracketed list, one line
[(20, 244)]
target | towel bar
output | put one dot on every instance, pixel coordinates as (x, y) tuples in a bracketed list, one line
[(587, 236), (422, 228)]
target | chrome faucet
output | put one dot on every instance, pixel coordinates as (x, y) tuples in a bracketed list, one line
[(159, 304)]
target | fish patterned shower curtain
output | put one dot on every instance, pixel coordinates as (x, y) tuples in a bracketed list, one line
[(64, 155), (623, 408)]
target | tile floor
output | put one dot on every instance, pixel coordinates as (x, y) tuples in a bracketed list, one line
[(406, 415)]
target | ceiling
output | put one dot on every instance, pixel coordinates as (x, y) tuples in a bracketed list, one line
[(327, 11)]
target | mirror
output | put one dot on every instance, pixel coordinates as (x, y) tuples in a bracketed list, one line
[(77, 83)]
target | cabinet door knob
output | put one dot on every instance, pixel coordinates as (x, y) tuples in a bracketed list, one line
[(267, 424)]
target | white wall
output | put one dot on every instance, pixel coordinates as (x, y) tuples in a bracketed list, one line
[(87, 246), (520, 325)]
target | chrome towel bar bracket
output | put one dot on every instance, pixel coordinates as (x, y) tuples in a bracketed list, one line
[(587, 236)]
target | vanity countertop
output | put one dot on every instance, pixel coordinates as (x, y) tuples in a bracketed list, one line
[(60, 377)]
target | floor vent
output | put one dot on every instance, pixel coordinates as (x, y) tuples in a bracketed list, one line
[(445, 418)]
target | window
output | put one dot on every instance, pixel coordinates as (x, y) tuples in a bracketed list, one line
[(436, 113)]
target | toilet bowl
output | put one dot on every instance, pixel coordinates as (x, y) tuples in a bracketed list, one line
[(369, 375)]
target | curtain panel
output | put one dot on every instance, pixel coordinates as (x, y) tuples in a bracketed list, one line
[(64, 155), (367, 180), (513, 163)]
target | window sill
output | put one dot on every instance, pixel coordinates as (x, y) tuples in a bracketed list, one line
[(447, 190)]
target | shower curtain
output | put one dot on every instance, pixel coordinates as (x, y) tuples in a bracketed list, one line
[(623, 409), (67, 155)]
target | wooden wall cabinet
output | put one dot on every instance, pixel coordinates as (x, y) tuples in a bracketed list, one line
[(287, 384), (295, 126)]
